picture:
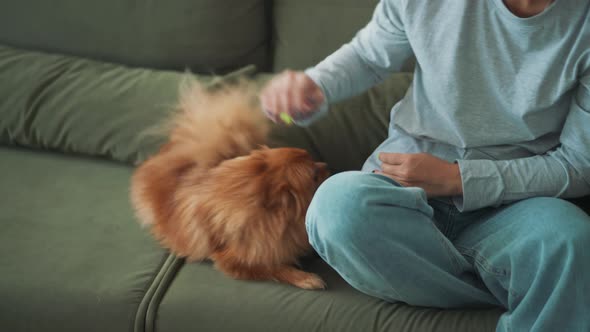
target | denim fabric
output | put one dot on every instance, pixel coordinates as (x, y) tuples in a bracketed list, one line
[(529, 257)]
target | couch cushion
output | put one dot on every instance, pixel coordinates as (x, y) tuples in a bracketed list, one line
[(204, 298), (203, 35), (73, 257), (306, 31), (80, 106)]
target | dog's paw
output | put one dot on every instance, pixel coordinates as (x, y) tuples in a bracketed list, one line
[(310, 281)]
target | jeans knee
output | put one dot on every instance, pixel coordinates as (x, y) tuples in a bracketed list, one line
[(560, 229), (337, 206), (558, 219), (346, 203)]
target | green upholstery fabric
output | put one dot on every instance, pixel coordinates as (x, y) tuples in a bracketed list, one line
[(306, 31), (203, 35), (73, 257), (229, 305), (80, 106)]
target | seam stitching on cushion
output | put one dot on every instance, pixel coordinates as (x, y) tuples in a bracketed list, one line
[(146, 290), (140, 324), (165, 282)]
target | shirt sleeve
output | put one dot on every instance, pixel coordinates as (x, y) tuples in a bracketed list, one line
[(377, 50), (563, 172)]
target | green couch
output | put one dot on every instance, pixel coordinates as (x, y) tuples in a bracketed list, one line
[(81, 84)]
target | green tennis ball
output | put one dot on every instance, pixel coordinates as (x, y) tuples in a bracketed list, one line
[(287, 119)]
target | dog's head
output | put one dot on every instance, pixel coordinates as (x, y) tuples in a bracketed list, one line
[(256, 204), (289, 177), (281, 178)]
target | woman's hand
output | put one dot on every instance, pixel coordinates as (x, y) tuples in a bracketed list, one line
[(292, 93), (436, 176)]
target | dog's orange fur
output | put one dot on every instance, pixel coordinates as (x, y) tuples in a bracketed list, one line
[(212, 192)]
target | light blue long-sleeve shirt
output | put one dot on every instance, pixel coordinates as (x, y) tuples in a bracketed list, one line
[(507, 98)]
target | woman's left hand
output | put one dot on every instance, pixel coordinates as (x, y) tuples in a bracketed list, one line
[(436, 176)]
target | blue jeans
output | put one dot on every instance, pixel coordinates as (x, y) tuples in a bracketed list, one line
[(531, 257)]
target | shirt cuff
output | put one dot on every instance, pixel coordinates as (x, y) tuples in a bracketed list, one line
[(482, 185)]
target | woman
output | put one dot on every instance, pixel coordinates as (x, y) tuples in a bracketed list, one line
[(462, 204)]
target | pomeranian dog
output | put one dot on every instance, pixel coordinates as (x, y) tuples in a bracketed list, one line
[(213, 191)]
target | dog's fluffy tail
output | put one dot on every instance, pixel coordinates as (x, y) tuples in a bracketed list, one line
[(209, 127), (218, 124)]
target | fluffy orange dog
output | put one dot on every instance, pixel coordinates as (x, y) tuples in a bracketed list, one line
[(212, 192)]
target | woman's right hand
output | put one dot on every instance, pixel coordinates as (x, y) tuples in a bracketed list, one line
[(292, 93)]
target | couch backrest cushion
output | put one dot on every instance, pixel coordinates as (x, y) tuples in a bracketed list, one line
[(306, 31), (86, 107), (203, 35)]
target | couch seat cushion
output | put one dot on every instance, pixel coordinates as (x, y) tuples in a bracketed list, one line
[(73, 258), (76, 105), (204, 299)]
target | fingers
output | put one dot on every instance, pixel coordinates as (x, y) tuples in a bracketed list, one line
[(397, 165), (270, 99), (315, 96), (310, 97), (394, 178), (392, 158), (293, 93), (285, 100), (395, 170), (298, 95)]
